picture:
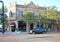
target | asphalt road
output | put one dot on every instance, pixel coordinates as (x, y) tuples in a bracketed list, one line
[(48, 37)]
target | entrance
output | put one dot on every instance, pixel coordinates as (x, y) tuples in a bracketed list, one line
[(21, 26), (13, 26)]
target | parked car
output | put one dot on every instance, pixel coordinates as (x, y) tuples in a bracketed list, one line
[(39, 30), (0, 29), (4, 30)]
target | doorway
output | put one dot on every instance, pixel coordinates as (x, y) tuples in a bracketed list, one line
[(21, 26), (13, 28)]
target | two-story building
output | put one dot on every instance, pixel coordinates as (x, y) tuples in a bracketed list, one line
[(16, 12)]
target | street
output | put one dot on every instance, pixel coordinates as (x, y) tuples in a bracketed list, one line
[(48, 37)]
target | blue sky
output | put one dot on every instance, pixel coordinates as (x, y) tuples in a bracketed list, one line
[(40, 2)]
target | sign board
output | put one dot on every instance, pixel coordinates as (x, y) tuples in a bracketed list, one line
[(11, 25)]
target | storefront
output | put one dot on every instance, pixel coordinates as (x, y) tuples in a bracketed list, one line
[(12, 26), (21, 26)]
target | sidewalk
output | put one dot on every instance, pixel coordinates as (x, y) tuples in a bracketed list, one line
[(13, 33), (24, 33), (51, 32)]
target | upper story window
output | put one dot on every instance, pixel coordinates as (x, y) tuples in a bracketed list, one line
[(20, 13)]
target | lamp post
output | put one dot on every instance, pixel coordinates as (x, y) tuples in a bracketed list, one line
[(3, 25), (39, 21)]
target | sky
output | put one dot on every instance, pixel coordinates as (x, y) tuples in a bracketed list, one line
[(39, 2)]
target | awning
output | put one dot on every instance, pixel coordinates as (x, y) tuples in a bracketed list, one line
[(12, 23)]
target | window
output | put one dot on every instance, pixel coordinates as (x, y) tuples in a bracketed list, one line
[(20, 13)]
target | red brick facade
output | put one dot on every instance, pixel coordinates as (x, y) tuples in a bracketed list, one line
[(56, 26)]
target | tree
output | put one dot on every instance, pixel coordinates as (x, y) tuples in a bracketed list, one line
[(5, 10), (58, 16), (43, 19), (6, 20), (29, 18), (51, 14)]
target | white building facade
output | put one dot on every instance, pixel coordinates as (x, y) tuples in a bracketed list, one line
[(16, 12)]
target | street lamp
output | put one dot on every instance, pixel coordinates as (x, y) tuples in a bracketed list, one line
[(39, 21), (3, 25)]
